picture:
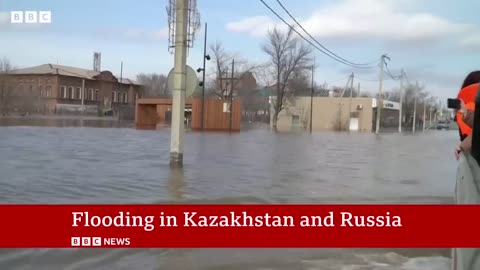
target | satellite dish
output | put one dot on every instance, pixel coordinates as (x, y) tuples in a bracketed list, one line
[(191, 81)]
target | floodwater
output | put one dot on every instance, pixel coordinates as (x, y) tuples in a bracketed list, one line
[(122, 165), (64, 121)]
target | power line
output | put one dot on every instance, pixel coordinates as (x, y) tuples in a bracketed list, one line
[(390, 73), (316, 47), (333, 55), (316, 41)]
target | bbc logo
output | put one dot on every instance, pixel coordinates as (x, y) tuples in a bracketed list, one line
[(86, 241), (30, 16)]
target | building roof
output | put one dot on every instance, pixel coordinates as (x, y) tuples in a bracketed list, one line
[(64, 71), (264, 91)]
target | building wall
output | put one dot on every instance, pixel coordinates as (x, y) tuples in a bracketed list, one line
[(68, 83), (28, 93), (215, 118), (328, 114), (101, 90), (388, 118), (150, 113), (146, 116), (161, 111), (50, 93)]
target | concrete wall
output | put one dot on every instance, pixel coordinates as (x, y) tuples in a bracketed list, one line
[(328, 114)]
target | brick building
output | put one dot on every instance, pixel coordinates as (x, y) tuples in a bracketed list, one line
[(62, 89)]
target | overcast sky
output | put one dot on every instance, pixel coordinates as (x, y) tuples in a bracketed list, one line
[(435, 41)]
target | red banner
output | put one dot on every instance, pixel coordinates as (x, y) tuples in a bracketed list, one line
[(190, 226)]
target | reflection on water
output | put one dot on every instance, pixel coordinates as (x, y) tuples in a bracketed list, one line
[(176, 182), (65, 121), (122, 165)]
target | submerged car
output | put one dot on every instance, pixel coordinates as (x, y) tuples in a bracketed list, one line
[(442, 125)]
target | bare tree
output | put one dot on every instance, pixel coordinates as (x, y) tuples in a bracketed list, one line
[(221, 60), (265, 75), (155, 85), (223, 67), (287, 53), (6, 93), (423, 98), (300, 82)]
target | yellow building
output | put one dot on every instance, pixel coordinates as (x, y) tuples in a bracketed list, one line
[(333, 113)]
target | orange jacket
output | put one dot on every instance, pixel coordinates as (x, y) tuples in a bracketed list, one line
[(467, 94)]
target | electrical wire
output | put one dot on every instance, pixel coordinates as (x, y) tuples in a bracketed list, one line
[(390, 73), (316, 47), (316, 41), (328, 52)]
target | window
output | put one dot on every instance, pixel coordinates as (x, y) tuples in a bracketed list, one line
[(119, 99), (63, 91), (85, 93), (125, 97), (41, 91), (48, 91), (91, 94), (114, 96), (78, 93), (97, 95), (226, 107), (71, 90)]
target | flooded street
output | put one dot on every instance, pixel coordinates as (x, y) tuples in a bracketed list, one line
[(120, 165)]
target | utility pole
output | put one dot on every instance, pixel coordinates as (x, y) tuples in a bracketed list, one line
[(415, 108), (350, 101), (119, 90), (83, 95), (358, 93), (424, 114), (311, 98), (231, 95), (179, 87), (380, 93), (430, 117), (121, 71), (400, 112), (340, 105), (203, 79)]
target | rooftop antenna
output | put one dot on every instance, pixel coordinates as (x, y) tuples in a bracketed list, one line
[(97, 59)]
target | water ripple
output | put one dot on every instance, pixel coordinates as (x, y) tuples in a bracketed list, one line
[(88, 165)]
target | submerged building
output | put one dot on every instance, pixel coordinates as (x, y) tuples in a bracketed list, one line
[(334, 113), (60, 89)]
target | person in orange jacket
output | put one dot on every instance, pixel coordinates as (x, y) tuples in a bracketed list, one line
[(464, 116)]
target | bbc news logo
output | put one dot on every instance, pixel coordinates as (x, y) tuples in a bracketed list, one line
[(99, 242), (30, 16)]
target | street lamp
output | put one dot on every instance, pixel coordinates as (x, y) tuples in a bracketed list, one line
[(206, 57)]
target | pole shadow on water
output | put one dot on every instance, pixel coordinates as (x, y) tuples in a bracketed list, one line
[(176, 183)]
